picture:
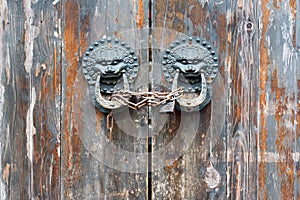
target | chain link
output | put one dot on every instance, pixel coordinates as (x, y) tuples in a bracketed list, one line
[(144, 99), (109, 124), (152, 99)]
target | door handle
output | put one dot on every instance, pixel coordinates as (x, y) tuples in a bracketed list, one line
[(192, 64), (189, 65), (109, 65)]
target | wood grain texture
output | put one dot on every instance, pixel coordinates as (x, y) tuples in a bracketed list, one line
[(49, 129), (84, 175), (242, 71), (182, 177), (31, 100), (278, 77)]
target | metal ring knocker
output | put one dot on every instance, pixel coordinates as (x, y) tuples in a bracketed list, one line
[(192, 64), (109, 65)]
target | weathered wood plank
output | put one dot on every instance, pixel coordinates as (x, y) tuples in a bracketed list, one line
[(278, 79), (85, 172), (46, 72), (241, 72), (297, 136), (182, 177), (45, 110), (14, 157), (30, 79)]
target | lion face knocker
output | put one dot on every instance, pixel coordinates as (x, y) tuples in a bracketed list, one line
[(193, 65), (109, 65)]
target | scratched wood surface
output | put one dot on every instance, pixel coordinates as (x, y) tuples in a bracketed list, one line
[(253, 123), (85, 173), (30, 100), (250, 132), (278, 124), (242, 71), (182, 176)]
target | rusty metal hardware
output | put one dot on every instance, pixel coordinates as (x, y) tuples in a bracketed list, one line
[(109, 124), (191, 63), (109, 65), (125, 98), (137, 100)]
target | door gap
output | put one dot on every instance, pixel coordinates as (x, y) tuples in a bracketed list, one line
[(149, 108)]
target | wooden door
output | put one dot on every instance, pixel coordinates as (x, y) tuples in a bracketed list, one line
[(243, 145)]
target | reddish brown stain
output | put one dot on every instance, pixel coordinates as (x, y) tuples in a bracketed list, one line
[(263, 77), (71, 49), (160, 8), (276, 3), (198, 16), (221, 32), (237, 82), (294, 12), (141, 15), (70, 141), (293, 7), (175, 19), (46, 146), (41, 136), (76, 42), (168, 14), (274, 86), (284, 137)]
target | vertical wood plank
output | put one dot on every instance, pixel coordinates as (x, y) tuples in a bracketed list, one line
[(85, 173), (242, 72), (15, 160), (183, 177), (278, 79), (30, 81), (297, 136), (71, 148), (46, 114), (46, 73)]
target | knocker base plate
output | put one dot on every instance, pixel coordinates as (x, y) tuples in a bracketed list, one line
[(191, 63)]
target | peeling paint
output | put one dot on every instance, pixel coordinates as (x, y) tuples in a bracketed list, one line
[(203, 2), (55, 2), (56, 34), (30, 129), (30, 33)]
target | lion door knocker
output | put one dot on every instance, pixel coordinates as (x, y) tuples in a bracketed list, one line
[(109, 65), (191, 64)]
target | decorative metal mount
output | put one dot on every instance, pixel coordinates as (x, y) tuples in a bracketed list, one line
[(192, 64), (189, 65), (109, 65)]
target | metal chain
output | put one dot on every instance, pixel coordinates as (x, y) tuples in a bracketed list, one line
[(146, 98), (109, 125)]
